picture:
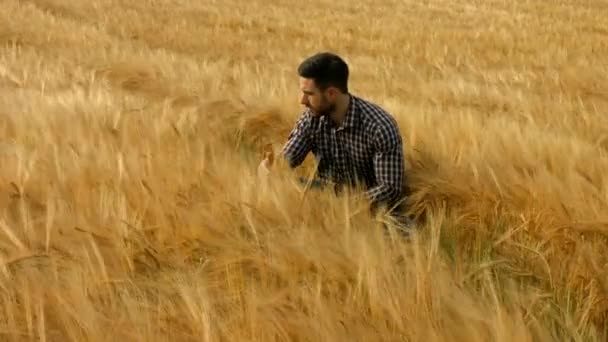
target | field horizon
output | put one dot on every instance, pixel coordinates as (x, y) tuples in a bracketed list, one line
[(130, 135)]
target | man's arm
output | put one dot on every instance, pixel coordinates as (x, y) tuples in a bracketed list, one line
[(299, 142), (389, 167)]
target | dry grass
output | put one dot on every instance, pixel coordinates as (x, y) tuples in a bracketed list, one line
[(130, 132)]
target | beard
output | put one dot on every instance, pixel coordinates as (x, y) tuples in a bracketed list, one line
[(324, 109)]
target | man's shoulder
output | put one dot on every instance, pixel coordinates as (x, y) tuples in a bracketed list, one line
[(307, 121), (306, 116), (374, 115)]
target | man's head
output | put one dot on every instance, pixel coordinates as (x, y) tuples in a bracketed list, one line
[(323, 79)]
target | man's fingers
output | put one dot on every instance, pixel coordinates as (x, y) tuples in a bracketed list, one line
[(268, 156), (266, 163), (268, 153), (263, 170)]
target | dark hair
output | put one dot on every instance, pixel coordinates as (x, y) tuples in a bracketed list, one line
[(326, 69)]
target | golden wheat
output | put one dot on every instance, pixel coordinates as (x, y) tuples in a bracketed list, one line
[(130, 133)]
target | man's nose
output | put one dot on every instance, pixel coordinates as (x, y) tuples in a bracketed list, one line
[(304, 100)]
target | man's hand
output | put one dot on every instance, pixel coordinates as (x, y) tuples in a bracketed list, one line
[(266, 164)]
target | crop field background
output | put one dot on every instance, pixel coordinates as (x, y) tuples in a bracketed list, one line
[(131, 131)]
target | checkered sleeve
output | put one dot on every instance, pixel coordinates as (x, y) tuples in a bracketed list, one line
[(299, 142), (388, 165)]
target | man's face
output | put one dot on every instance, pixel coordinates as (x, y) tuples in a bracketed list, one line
[(319, 102)]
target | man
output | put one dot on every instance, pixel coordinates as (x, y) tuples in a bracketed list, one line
[(354, 141)]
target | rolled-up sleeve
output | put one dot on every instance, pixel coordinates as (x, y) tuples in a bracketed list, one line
[(299, 142)]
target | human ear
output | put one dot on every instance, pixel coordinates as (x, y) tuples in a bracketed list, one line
[(332, 93)]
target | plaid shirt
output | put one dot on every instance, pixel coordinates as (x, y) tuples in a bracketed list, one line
[(366, 149)]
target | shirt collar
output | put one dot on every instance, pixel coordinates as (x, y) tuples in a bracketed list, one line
[(351, 117)]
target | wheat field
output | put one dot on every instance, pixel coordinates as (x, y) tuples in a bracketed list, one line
[(130, 134)]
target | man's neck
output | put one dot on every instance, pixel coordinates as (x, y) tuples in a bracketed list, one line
[(339, 114)]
